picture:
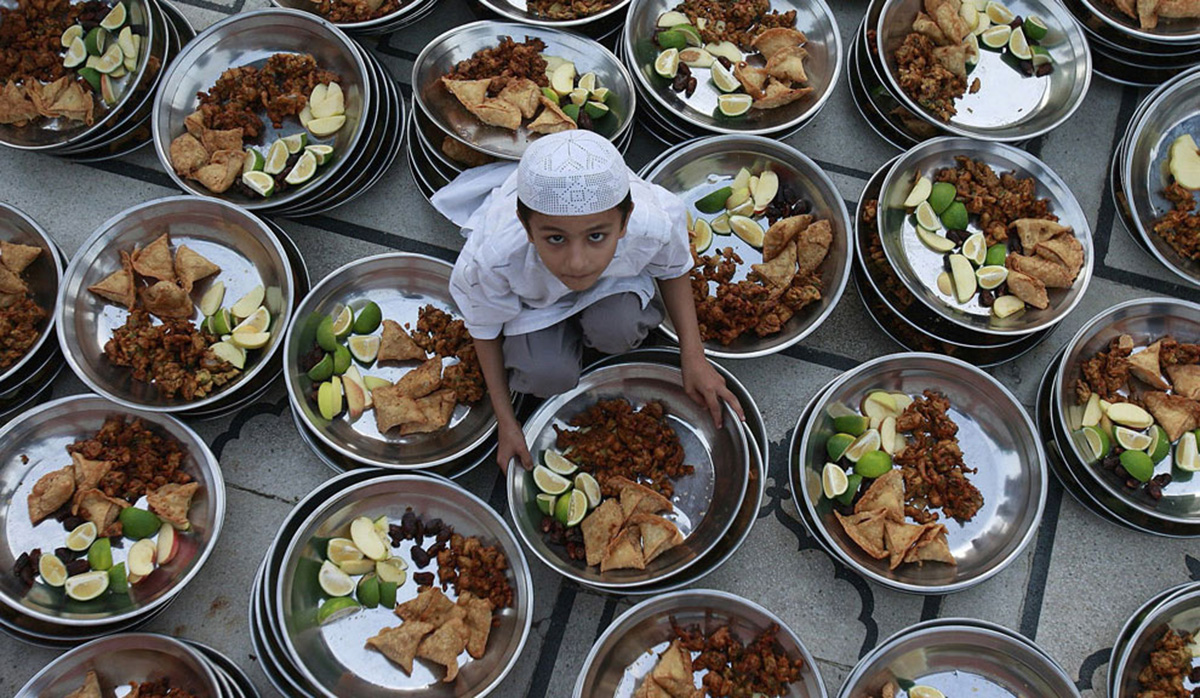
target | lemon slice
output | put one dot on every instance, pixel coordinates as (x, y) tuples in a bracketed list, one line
[(334, 581), (115, 18), (304, 170), (990, 277), (545, 503), (1018, 45), (342, 550), (82, 537), (87, 586), (295, 143), (734, 104), (925, 692), (1187, 456), (723, 78), (963, 275), (336, 609), (393, 570), (549, 481), (558, 463), (869, 441), (1097, 441), (975, 249), (1132, 440), (702, 236), (720, 225), (920, 193), (258, 321), (1007, 306), (747, 229), (76, 53), (260, 183), (982, 25), (833, 480), (996, 37), (934, 241), (323, 153), (578, 96), (926, 218), (343, 322), (249, 339), (667, 63), (365, 349), (588, 485), (110, 61), (999, 13), (73, 32), (53, 571), (571, 508)]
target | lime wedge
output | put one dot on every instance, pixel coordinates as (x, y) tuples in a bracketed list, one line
[(926, 218), (73, 32), (833, 480), (1159, 446), (249, 339), (853, 480), (393, 569), (87, 586), (963, 275), (690, 33), (253, 162), (1018, 45), (323, 153), (258, 321), (1132, 440), (76, 53), (590, 488), (587, 81), (343, 323), (367, 591), (545, 503), (714, 201), (118, 580), (934, 241), (138, 523), (720, 225), (549, 481), (52, 569), (295, 143), (941, 195), (873, 464), (734, 104), (96, 41), (110, 61), (304, 170), (1040, 56), (578, 96), (571, 508), (1035, 28), (100, 554), (600, 94), (723, 78), (925, 692), (323, 128), (277, 157), (990, 277), (999, 13), (81, 538), (1138, 465), (745, 227), (91, 75), (996, 255), (672, 40), (364, 349), (368, 319), (853, 424), (867, 443), (1187, 457), (702, 236), (975, 249), (667, 63), (260, 183), (596, 110), (334, 581), (115, 18), (1097, 441), (996, 37), (955, 216), (558, 463), (341, 360), (920, 192), (336, 609), (837, 444), (342, 550)]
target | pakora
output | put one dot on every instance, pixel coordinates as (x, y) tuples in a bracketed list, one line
[(737, 670), (1167, 667)]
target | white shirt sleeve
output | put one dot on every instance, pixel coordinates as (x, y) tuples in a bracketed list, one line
[(484, 297), (674, 257)]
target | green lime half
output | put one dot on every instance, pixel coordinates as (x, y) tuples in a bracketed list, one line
[(941, 196), (323, 370), (837, 445), (545, 503), (100, 554), (1160, 445), (368, 318), (571, 508), (138, 523), (1138, 465), (368, 591), (714, 202), (873, 464), (336, 609), (854, 425), (955, 216), (341, 360), (549, 481), (853, 480), (387, 594), (326, 337), (118, 580), (305, 169)]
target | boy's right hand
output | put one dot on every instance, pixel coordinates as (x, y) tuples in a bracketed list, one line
[(512, 445)]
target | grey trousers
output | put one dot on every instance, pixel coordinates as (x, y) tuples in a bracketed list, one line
[(548, 362)]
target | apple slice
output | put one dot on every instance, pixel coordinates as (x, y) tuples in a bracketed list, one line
[(356, 400), (367, 539), (141, 558), (1092, 412), (168, 544), (1185, 162)]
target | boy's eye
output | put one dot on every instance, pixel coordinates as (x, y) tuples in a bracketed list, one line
[(555, 239), (596, 237)]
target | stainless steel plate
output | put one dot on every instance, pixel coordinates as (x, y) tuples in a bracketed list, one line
[(239, 682), (1129, 630), (918, 266), (399, 17), (121, 659), (1008, 105), (959, 659), (401, 284), (249, 38), (333, 656), (1181, 612), (441, 55), (41, 436), (1168, 31), (244, 247), (703, 166), (518, 11), (995, 435), (706, 501), (1145, 320), (43, 277), (629, 648), (823, 65)]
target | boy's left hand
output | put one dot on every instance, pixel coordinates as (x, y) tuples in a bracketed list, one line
[(707, 387)]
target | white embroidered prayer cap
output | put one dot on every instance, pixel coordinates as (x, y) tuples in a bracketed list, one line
[(572, 173)]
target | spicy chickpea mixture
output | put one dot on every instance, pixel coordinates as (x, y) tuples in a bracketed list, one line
[(998, 200), (935, 475), (142, 461)]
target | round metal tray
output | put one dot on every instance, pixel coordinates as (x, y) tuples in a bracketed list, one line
[(1180, 612), (406, 14), (43, 277), (1168, 31), (995, 435), (1130, 631), (1008, 106), (693, 170), (918, 266)]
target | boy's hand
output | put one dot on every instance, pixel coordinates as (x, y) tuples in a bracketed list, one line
[(707, 387), (512, 445)]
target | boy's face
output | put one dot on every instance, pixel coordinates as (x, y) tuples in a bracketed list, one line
[(577, 249)]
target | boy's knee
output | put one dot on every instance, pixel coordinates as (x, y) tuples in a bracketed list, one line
[(548, 380), (619, 323)]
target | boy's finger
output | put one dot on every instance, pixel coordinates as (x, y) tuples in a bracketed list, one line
[(736, 404), (714, 407)]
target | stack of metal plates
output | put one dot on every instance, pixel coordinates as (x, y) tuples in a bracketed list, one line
[(602, 25), (307, 652), (1140, 169), (1007, 105), (995, 435), (1099, 481), (249, 252), (400, 284), (897, 274), (446, 139), (955, 657), (672, 116), (1127, 51), (35, 445), (133, 658), (699, 167), (123, 126), (27, 378), (364, 146), (408, 13), (1176, 609)]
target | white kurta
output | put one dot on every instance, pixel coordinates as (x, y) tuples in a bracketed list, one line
[(499, 281)]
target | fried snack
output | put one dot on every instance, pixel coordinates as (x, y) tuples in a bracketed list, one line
[(782, 233), (191, 266), (393, 408), (552, 119), (478, 621), (780, 271), (400, 644), (886, 493), (15, 257), (497, 112), (397, 345), (154, 260), (1176, 414), (1063, 250), (89, 689), (421, 381), (524, 94), (174, 355), (636, 498), (658, 535), (172, 501), (867, 530), (88, 473), (430, 606), (142, 460), (1031, 291), (899, 537), (935, 475), (166, 299), (1032, 231), (740, 670), (50, 493), (1186, 380), (1167, 667), (221, 172), (738, 22), (624, 552), (1000, 200), (776, 40), (506, 61), (16, 107), (119, 287), (1051, 274), (11, 283), (444, 646), (1146, 367), (932, 546), (599, 527), (673, 671), (100, 509), (436, 411)]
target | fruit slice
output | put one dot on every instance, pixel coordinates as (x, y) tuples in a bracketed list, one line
[(920, 192), (1159, 446), (578, 96), (671, 40), (1035, 28), (563, 78), (969, 14), (1132, 440), (393, 570), (277, 157), (118, 579), (329, 399), (571, 508), (1138, 465), (975, 249), (108, 88), (926, 218), (873, 464), (944, 284), (852, 424), (587, 81), (76, 53), (1092, 411), (934, 241), (323, 153), (141, 557), (1040, 55), (999, 13), (738, 197), (52, 569), (695, 58), (341, 360), (863, 445), (257, 321), (714, 201), (747, 229), (138, 523), (73, 32), (367, 591), (955, 216), (87, 586), (342, 550), (81, 537), (249, 339), (549, 481), (305, 169), (853, 480), (100, 554), (723, 78), (887, 435), (765, 190), (323, 128), (925, 692), (837, 444), (334, 581), (734, 104), (600, 94), (545, 503), (210, 302), (596, 110), (587, 484), (996, 254), (110, 61), (356, 392), (96, 41), (1097, 442), (990, 277), (1007, 306), (228, 351), (167, 545), (364, 349), (337, 608), (115, 18), (702, 236), (941, 195), (129, 45), (1018, 46), (667, 63), (1130, 415), (368, 318), (983, 25), (1185, 162), (342, 324), (249, 303), (670, 19), (720, 225), (323, 370), (1187, 457), (726, 49), (833, 480), (331, 102), (387, 594), (367, 539), (996, 37), (558, 463), (963, 275), (91, 75), (375, 382), (690, 33), (260, 183)]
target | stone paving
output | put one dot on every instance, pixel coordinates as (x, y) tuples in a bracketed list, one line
[(1070, 591)]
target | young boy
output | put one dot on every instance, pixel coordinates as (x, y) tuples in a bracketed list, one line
[(564, 253)]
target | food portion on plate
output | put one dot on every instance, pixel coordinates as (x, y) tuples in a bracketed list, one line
[(875, 500), (1180, 227), (723, 665), (614, 512), (516, 84), (935, 61), (123, 503), (794, 247), (65, 61), (1171, 669), (1147, 13), (21, 318), (754, 55), (1137, 399), (423, 400), (1002, 246), (159, 342), (452, 612), (223, 144), (158, 688), (352, 11), (570, 9)]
